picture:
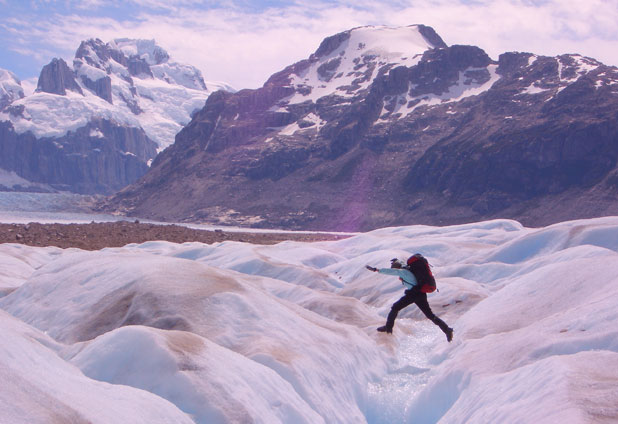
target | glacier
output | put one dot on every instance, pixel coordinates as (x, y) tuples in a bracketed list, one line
[(234, 332)]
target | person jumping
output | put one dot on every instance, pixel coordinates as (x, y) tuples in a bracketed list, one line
[(412, 294)]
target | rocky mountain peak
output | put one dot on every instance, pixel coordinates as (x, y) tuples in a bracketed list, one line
[(96, 53), (346, 64), (146, 50), (352, 56), (56, 78), (128, 53), (133, 58), (368, 40)]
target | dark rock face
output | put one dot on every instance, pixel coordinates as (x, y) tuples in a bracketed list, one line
[(453, 137), (102, 87), (138, 66), (5, 101), (57, 78), (432, 36), (96, 53), (548, 145), (101, 157)]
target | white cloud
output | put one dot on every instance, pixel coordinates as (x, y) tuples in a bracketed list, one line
[(230, 44), (90, 4), (548, 28)]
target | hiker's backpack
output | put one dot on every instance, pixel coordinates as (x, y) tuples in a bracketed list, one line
[(419, 266)]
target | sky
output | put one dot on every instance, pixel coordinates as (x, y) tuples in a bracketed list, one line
[(243, 42)]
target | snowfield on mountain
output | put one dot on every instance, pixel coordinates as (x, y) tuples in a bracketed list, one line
[(96, 126), (159, 97), (233, 332)]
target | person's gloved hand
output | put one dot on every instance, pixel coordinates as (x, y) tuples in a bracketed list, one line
[(370, 268)]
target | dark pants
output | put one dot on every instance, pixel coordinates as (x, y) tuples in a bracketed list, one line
[(420, 299)]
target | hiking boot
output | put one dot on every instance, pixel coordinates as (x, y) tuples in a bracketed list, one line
[(449, 334), (385, 329)]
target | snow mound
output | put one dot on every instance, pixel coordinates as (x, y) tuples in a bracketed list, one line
[(39, 387), (123, 287), (185, 369)]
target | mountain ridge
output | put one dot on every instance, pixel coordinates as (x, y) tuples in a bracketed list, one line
[(96, 126), (433, 135)]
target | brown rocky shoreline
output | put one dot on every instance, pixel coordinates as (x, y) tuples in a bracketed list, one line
[(95, 236)]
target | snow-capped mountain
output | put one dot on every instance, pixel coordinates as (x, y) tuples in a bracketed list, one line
[(387, 126), (350, 62), (125, 98)]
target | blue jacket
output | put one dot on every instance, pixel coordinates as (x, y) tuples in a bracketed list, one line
[(407, 278)]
